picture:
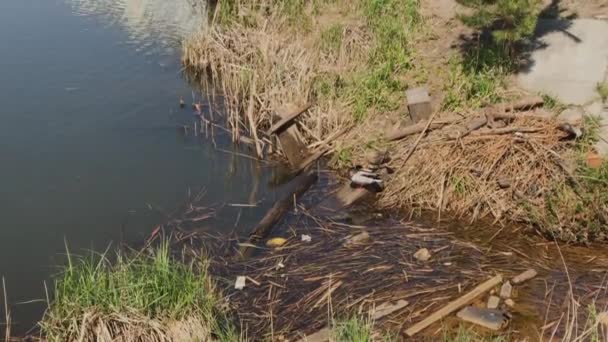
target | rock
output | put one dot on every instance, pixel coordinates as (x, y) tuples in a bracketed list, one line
[(356, 239), (488, 318), (422, 254), (240, 283), (388, 308), (505, 290), (510, 303), (306, 238), (524, 276), (493, 302)]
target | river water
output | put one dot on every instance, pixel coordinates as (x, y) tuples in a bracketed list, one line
[(89, 95)]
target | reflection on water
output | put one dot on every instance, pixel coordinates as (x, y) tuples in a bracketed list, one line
[(88, 139), (149, 22)]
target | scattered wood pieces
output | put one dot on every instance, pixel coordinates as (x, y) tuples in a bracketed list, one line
[(454, 305), (524, 276), (388, 308), (510, 303), (488, 318), (422, 254)]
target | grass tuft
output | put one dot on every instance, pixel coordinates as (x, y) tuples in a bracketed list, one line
[(602, 90), (151, 290)]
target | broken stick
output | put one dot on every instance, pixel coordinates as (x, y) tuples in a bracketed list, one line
[(455, 305)]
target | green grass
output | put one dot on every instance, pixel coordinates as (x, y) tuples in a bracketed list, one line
[(357, 329), (553, 104), (331, 38), (151, 284), (477, 78)]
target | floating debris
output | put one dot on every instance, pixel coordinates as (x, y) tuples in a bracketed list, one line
[(505, 290), (488, 318), (510, 303), (182, 103), (240, 282), (365, 178), (422, 254), (276, 242), (524, 276), (306, 238), (493, 302)]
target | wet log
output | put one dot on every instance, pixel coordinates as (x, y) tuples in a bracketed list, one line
[(454, 305), (278, 210), (294, 149)]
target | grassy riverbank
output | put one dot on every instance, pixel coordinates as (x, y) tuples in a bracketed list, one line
[(146, 296), (354, 59)]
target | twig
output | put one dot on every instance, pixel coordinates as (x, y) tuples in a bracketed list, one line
[(428, 124)]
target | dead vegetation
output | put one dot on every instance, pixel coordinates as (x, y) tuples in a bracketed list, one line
[(257, 58)]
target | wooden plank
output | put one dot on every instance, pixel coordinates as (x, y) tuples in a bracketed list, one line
[(322, 335), (454, 305), (287, 118)]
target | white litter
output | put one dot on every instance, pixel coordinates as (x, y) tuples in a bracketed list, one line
[(240, 283), (306, 238)]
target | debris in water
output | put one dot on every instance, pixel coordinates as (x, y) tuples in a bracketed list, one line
[(386, 309), (524, 276), (280, 266), (602, 318), (493, 302), (240, 282), (505, 290), (182, 103), (422, 254), (466, 299), (377, 158), (504, 183), (356, 239), (306, 238), (488, 318), (276, 242), (510, 303)]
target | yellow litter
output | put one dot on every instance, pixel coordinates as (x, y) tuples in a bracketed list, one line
[(276, 242)]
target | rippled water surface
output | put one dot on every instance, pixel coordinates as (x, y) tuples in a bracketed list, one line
[(88, 140)]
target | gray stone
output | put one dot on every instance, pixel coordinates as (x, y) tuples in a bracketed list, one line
[(524, 276), (488, 318), (571, 62)]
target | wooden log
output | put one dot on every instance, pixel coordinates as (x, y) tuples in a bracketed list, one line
[(454, 305), (287, 118), (401, 133), (506, 130), (526, 104), (419, 103), (278, 210)]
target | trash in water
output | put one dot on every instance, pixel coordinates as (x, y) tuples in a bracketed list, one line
[(422, 254), (306, 238), (276, 242), (240, 283)]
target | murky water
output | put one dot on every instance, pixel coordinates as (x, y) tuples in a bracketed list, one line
[(89, 95)]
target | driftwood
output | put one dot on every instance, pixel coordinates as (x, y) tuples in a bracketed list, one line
[(506, 130), (491, 113), (455, 305), (278, 210)]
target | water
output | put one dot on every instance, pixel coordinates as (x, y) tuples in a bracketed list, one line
[(89, 92)]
